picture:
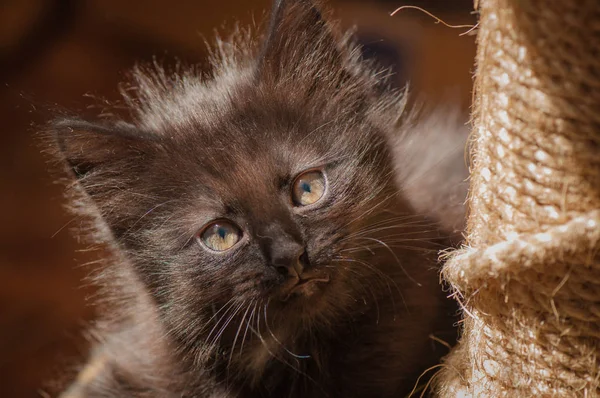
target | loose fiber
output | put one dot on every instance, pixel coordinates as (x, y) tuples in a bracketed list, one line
[(529, 275)]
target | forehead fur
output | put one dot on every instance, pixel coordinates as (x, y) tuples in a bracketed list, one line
[(300, 76)]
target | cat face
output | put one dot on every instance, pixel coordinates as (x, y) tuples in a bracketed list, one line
[(263, 224), (248, 189)]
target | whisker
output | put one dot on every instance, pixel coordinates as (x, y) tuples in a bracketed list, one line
[(383, 276), (237, 334), (423, 224), (395, 257), (64, 226), (248, 325), (277, 340), (215, 339), (316, 130), (407, 233), (275, 356), (371, 248), (220, 309), (368, 211), (229, 308), (407, 218), (148, 212)]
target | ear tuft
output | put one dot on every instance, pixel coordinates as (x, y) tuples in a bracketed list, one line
[(87, 147), (297, 37)]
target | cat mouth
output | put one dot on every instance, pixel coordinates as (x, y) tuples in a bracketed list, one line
[(304, 285)]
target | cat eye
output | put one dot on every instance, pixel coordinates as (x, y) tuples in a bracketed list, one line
[(220, 235), (308, 188)]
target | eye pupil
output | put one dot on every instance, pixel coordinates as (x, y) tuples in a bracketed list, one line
[(222, 233), (305, 186)]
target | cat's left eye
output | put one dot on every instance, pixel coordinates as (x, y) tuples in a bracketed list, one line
[(220, 235), (308, 188)]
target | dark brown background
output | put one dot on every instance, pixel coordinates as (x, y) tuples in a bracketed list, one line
[(71, 54)]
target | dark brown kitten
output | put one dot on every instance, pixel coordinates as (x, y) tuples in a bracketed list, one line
[(262, 246)]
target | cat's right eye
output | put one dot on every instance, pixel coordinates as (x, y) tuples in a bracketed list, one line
[(308, 188), (219, 235)]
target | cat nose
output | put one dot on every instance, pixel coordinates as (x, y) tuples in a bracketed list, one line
[(290, 260), (283, 247)]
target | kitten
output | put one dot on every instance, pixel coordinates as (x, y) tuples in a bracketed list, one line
[(262, 245)]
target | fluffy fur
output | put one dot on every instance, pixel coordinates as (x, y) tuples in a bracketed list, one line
[(187, 322)]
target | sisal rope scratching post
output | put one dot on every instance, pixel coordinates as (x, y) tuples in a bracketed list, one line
[(529, 276)]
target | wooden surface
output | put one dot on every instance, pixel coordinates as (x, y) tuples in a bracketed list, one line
[(43, 306)]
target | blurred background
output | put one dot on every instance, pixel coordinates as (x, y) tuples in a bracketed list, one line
[(72, 54)]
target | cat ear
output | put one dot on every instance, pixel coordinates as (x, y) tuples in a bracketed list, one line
[(96, 148), (298, 40)]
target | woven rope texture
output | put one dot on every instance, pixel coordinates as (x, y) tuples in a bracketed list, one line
[(529, 276)]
